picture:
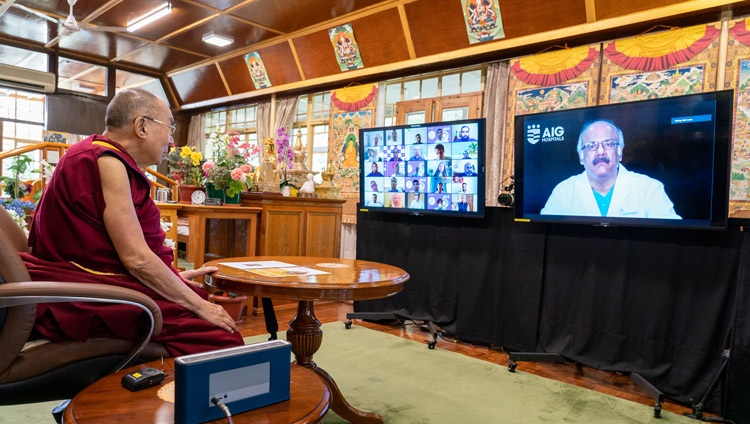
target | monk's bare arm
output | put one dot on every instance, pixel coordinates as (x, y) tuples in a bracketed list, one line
[(125, 231)]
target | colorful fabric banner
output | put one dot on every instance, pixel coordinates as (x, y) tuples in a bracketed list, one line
[(346, 48), (483, 20), (257, 70)]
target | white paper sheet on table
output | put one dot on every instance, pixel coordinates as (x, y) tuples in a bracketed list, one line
[(256, 264), (274, 268)]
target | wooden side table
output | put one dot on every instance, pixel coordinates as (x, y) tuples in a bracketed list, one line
[(107, 401), (332, 279)]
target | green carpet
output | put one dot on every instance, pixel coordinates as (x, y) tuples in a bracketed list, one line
[(408, 383)]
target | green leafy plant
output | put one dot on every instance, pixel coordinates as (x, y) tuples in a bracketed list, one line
[(13, 186)]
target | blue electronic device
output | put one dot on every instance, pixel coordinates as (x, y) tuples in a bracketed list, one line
[(242, 378)]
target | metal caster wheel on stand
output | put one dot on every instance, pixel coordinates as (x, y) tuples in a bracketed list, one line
[(431, 345), (512, 366), (348, 324), (657, 410)]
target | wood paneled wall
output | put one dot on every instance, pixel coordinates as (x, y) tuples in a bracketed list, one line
[(406, 34)]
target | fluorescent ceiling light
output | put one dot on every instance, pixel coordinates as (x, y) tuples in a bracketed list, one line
[(158, 13), (86, 88), (217, 39)]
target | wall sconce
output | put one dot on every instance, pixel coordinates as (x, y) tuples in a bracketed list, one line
[(217, 39), (158, 13)]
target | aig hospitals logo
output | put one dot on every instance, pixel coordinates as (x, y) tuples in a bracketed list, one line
[(535, 133)]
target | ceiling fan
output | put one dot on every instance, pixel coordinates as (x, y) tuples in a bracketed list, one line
[(70, 25)]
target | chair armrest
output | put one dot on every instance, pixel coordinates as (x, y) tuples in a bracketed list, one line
[(34, 292)]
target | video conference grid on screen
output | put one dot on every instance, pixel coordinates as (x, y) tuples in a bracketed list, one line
[(431, 168), (680, 142)]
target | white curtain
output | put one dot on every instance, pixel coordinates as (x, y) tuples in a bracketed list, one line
[(496, 95), (286, 107), (264, 120), (348, 241)]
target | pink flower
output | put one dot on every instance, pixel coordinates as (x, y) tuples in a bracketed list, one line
[(208, 166), (246, 168), (237, 174)]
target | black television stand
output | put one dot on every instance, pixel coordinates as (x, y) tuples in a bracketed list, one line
[(390, 315), (636, 378)]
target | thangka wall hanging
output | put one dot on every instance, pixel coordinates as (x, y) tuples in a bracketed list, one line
[(483, 20), (352, 108), (556, 80), (737, 76), (346, 48), (257, 70), (667, 63)]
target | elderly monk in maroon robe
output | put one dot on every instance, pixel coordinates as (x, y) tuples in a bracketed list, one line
[(96, 223)]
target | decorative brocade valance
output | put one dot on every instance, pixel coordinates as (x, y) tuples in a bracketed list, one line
[(740, 31), (352, 99), (655, 52), (556, 67)]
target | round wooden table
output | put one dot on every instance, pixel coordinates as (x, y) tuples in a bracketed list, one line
[(314, 279), (107, 401)]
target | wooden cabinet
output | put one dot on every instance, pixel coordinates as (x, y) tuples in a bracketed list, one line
[(295, 226)]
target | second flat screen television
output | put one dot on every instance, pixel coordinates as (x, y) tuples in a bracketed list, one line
[(425, 169), (668, 168)]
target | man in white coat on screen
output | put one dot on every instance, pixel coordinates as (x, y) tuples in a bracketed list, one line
[(606, 187)]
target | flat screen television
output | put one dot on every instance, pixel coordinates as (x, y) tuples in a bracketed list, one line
[(671, 168), (435, 168)]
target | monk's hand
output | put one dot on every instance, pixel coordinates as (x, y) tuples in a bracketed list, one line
[(194, 273), (218, 316)]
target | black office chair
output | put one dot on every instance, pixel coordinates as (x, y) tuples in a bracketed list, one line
[(41, 370)]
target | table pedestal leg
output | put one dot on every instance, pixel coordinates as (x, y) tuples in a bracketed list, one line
[(305, 335)]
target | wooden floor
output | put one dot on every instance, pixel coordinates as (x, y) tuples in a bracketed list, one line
[(606, 382)]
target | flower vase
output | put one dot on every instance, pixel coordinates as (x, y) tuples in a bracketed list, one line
[(234, 200), (214, 193), (186, 192), (286, 191)]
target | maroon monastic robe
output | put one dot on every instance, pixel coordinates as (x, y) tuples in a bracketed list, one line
[(70, 243)]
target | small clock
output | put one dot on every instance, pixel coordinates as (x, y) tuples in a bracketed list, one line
[(198, 197)]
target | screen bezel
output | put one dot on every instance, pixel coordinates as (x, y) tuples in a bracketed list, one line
[(404, 130), (720, 165)]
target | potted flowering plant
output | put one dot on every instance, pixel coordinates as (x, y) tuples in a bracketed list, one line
[(284, 157), (228, 170), (185, 165)]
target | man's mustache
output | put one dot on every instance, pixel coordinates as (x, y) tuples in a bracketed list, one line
[(600, 159)]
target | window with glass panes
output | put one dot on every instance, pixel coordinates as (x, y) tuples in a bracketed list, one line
[(311, 126), (23, 121), (444, 83), (243, 120)]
